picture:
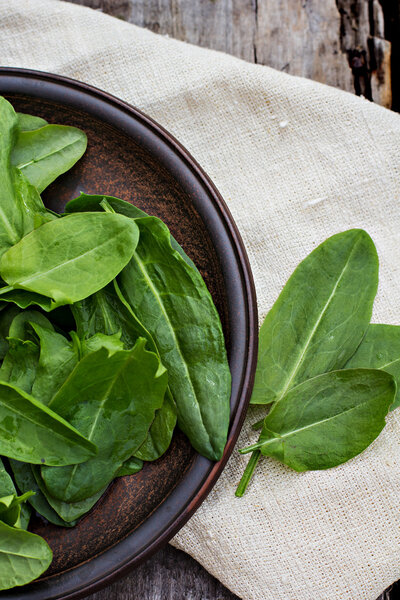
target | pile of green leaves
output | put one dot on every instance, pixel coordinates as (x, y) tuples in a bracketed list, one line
[(330, 376), (108, 339)]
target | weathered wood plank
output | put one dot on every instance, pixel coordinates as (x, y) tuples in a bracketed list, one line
[(169, 575), (303, 38), (343, 43)]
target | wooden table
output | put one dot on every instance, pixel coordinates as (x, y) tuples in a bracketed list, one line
[(350, 44)]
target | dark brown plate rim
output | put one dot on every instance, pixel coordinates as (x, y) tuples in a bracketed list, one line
[(183, 501)]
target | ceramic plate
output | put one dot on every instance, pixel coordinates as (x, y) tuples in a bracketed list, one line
[(132, 157)]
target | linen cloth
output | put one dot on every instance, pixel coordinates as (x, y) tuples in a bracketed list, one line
[(296, 162)]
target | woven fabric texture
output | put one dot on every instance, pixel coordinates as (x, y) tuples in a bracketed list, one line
[(296, 162)]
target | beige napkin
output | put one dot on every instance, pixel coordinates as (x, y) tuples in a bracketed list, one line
[(296, 162)]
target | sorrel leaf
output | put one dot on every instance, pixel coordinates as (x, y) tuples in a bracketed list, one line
[(380, 349), (122, 393), (31, 432), (29, 122), (44, 154), (21, 209), (320, 316), (172, 302), (92, 202), (71, 258), (69, 512), (328, 419), (58, 357), (23, 556), (26, 481), (130, 467)]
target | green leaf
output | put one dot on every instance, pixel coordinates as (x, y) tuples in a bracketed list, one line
[(7, 314), (21, 361), (21, 209), (58, 357), (25, 299), (70, 512), (172, 302), (130, 467), (31, 432), (108, 311), (20, 364), (112, 343), (122, 393), (44, 154), (18, 326), (320, 316), (159, 436), (92, 202), (325, 421), (26, 481), (25, 515), (64, 259), (104, 313), (380, 349), (7, 486), (23, 556), (160, 433), (10, 508), (29, 122)]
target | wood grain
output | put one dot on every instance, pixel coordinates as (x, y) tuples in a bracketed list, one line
[(169, 575), (350, 44)]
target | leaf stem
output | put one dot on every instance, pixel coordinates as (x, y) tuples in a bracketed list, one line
[(251, 448), (248, 473)]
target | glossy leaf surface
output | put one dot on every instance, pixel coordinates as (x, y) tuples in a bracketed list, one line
[(23, 556), (71, 258), (7, 486), (70, 512), (161, 430), (159, 436), (92, 202), (327, 420), (109, 312), (130, 467), (20, 364), (29, 122), (26, 481), (31, 432), (23, 299), (58, 357), (121, 394), (320, 316), (112, 343), (380, 349), (172, 302), (44, 154), (21, 209)]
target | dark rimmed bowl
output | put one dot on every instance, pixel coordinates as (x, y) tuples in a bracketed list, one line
[(132, 157)]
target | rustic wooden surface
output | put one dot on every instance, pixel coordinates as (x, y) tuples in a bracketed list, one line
[(350, 44)]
